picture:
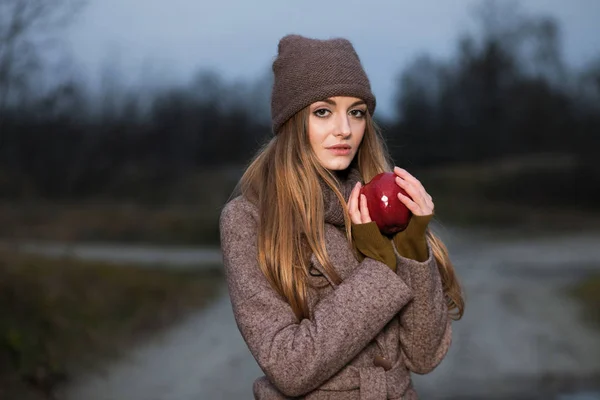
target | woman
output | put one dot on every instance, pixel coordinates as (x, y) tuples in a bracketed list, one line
[(329, 307)]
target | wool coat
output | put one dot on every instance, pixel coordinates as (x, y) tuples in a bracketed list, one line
[(364, 336)]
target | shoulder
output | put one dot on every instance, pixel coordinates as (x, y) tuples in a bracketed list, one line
[(238, 212)]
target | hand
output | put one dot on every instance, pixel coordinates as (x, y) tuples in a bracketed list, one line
[(419, 202), (357, 206)]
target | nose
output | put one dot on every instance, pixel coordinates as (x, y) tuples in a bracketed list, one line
[(343, 129)]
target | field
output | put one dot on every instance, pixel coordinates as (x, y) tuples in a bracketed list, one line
[(64, 315)]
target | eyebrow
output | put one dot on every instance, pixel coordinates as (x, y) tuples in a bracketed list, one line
[(333, 103)]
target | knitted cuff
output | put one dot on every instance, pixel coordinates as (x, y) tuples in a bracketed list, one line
[(412, 242), (371, 243)]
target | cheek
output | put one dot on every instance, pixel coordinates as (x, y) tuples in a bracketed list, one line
[(359, 129), (317, 131)]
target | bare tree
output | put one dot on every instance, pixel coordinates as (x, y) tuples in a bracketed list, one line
[(505, 92), (27, 28), (534, 41)]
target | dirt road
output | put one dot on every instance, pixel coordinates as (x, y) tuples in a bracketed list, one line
[(522, 337)]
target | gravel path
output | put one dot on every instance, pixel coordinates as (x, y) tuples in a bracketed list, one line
[(521, 337)]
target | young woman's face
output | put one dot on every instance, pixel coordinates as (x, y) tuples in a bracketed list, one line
[(336, 127)]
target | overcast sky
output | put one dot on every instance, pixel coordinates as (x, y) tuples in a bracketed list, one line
[(170, 40)]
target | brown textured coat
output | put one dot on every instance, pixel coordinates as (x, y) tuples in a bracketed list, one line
[(374, 314)]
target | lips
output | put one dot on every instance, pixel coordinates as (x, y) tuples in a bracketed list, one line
[(340, 150)]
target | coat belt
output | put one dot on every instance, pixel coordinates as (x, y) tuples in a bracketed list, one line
[(373, 382)]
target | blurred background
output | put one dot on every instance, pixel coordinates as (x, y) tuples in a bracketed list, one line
[(125, 125)]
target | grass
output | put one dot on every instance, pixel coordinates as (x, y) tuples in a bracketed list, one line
[(121, 222), (544, 193), (187, 212), (61, 315), (588, 294)]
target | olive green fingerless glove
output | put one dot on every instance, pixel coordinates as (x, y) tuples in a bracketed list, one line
[(412, 242), (371, 243)]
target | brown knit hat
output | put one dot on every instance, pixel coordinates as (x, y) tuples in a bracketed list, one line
[(308, 70)]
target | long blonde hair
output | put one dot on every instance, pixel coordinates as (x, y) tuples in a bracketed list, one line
[(283, 180)]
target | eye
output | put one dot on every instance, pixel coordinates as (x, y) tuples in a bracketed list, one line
[(322, 112), (358, 113)]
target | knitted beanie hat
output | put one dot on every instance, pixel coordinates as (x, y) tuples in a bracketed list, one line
[(308, 70)]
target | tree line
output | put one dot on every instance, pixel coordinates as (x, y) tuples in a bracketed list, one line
[(505, 91)]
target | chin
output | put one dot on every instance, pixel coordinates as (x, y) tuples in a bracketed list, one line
[(337, 165)]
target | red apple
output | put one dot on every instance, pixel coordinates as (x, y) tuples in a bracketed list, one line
[(388, 212)]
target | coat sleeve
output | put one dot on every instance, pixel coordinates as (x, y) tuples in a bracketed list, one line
[(425, 329), (298, 356)]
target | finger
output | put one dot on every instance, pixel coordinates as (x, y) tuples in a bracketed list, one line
[(415, 207), (419, 190), (429, 201), (353, 204), (404, 174), (351, 201), (411, 205), (412, 190), (428, 207), (364, 210), (401, 172)]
